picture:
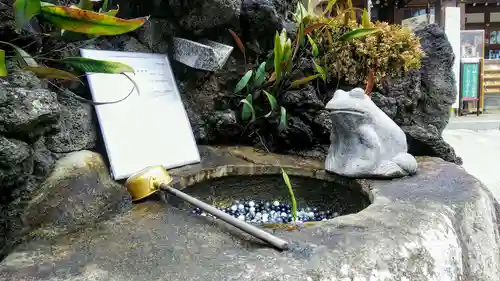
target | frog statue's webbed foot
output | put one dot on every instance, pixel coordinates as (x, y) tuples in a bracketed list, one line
[(402, 164)]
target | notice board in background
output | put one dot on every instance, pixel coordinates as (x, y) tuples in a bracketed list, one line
[(147, 129), (470, 81)]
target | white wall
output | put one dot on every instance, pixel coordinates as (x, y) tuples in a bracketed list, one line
[(452, 30)]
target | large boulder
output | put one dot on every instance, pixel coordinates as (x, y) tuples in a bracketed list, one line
[(37, 127), (420, 101), (440, 225), (190, 16), (78, 192)]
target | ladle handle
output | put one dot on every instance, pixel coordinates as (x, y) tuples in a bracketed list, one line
[(246, 227)]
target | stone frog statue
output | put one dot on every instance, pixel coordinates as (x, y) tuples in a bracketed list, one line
[(365, 142)]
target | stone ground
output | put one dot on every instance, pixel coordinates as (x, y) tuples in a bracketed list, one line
[(477, 140)]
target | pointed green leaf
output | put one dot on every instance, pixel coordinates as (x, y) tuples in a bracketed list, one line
[(277, 57), (286, 179), (105, 6), (320, 70), (283, 123), (3, 67), (365, 19), (283, 37), (260, 75), (314, 47), (113, 12), (272, 102), (248, 111), (329, 7), (24, 10), (243, 81), (106, 10), (303, 81), (89, 22), (23, 56), (352, 11), (96, 66), (302, 39), (49, 72), (360, 32), (310, 6), (286, 61), (85, 5), (300, 12)]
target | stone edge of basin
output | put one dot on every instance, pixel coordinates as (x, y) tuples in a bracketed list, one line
[(189, 179)]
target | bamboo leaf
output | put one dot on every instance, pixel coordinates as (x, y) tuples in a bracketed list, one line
[(260, 75), (238, 41), (314, 47), (3, 67), (248, 111), (320, 70), (24, 10), (272, 102), (365, 19), (286, 179), (303, 81), (49, 72), (96, 66), (85, 5), (283, 125), (360, 32), (22, 55), (243, 81), (89, 22)]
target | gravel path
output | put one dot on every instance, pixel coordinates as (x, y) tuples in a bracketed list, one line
[(480, 151)]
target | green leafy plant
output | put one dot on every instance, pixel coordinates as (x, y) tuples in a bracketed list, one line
[(254, 89), (77, 19), (378, 47), (286, 179)]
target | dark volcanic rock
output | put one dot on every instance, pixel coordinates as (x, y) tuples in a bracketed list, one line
[(441, 224), (77, 128), (26, 110), (260, 21), (36, 128), (303, 99), (420, 102), (191, 15)]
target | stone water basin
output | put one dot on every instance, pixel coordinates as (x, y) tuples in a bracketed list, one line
[(439, 225), (262, 199)]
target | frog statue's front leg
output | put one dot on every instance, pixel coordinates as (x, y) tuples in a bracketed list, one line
[(356, 156), (402, 164)]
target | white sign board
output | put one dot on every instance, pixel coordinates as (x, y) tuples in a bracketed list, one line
[(147, 129), (452, 30)]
